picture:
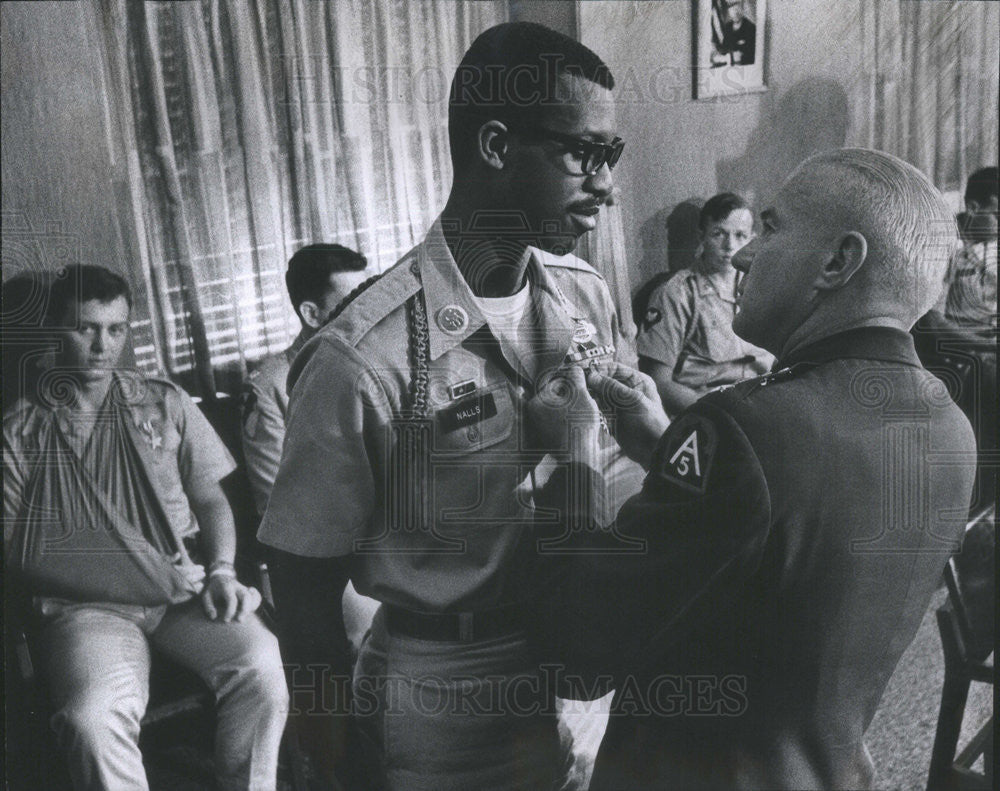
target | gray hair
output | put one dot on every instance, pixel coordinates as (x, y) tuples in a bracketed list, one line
[(911, 232)]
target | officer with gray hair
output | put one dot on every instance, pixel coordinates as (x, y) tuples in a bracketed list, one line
[(795, 525)]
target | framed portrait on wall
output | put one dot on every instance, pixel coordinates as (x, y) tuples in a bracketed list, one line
[(729, 47)]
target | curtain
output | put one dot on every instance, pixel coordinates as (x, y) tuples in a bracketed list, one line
[(604, 248), (932, 83), (253, 128)]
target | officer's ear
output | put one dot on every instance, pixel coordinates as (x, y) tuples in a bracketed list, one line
[(311, 314), (849, 253), (493, 144)]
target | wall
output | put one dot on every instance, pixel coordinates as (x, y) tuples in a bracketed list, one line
[(57, 172), (559, 15), (60, 185), (679, 149)]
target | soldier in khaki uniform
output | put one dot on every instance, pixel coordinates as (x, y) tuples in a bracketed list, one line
[(319, 276), (406, 466), (686, 343), (106, 473)]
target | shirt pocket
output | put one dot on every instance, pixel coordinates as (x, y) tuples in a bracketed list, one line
[(474, 422), (718, 342), (157, 433)]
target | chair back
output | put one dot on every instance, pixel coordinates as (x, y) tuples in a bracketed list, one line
[(971, 579)]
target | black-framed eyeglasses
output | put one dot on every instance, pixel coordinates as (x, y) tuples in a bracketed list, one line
[(593, 155)]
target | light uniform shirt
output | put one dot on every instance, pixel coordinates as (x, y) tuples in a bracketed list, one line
[(688, 327), (265, 410), (180, 445), (341, 488), (970, 297)]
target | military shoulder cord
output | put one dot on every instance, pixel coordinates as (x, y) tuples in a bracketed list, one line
[(419, 344), (416, 313), (358, 290), (408, 505)]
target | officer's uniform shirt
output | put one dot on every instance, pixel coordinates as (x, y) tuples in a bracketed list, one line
[(177, 444), (795, 527), (342, 490), (265, 410), (688, 327)]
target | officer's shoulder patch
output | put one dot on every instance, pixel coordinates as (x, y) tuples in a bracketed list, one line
[(688, 452)]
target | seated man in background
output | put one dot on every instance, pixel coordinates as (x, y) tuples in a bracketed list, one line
[(106, 473), (795, 526), (971, 299), (956, 338), (686, 342), (319, 276)]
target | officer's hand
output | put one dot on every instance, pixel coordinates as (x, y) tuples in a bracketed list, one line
[(225, 598), (635, 413), (561, 417)]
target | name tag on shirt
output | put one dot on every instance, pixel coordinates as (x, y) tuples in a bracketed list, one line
[(467, 412)]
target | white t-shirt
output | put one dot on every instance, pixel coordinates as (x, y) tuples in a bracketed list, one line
[(506, 319)]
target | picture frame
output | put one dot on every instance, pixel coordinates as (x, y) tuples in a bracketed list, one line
[(730, 47)]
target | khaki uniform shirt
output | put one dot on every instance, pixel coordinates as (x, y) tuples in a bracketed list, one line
[(265, 409), (971, 294), (688, 327), (342, 489), (180, 446)]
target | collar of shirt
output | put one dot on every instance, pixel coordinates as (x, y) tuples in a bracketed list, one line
[(444, 287), (707, 285), (870, 343), (297, 344)]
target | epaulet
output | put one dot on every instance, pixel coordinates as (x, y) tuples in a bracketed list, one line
[(373, 300), (747, 386), (680, 279), (165, 382), (149, 388), (568, 261)]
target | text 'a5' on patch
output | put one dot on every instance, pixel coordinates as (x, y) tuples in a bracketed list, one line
[(686, 459)]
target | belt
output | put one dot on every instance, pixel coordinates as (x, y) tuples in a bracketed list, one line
[(455, 626)]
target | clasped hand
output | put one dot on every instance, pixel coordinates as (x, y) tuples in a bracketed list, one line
[(565, 413), (225, 598)]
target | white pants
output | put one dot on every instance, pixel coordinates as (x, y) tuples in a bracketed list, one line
[(97, 660)]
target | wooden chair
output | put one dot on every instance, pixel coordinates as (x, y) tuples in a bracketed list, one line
[(967, 636)]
